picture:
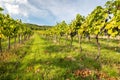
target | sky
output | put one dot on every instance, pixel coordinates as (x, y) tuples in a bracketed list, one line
[(48, 12)]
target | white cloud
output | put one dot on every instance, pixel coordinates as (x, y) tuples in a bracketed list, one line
[(48, 10), (12, 9), (21, 1), (20, 8), (62, 10), (66, 9), (7, 1)]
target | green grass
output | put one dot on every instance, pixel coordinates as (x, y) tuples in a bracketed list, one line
[(40, 59)]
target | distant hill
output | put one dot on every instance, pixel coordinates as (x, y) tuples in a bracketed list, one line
[(38, 27)]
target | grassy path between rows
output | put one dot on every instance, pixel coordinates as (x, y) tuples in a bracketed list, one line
[(39, 59)]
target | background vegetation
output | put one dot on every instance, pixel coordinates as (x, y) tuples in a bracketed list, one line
[(88, 48)]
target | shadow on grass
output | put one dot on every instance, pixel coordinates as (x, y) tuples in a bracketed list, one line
[(82, 59), (9, 69), (57, 48), (67, 65), (104, 45)]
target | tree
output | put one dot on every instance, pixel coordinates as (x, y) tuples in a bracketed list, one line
[(1, 9), (61, 29), (79, 21), (20, 31), (96, 24), (1, 27), (15, 29), (8, 28), (74, 27), (113, 26)]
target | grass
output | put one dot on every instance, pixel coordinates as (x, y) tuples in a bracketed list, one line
[(40, 59)]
